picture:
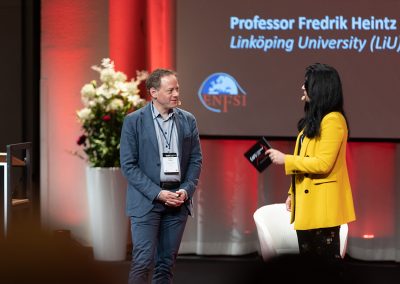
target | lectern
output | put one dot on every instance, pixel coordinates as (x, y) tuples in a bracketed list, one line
[(18, 156)]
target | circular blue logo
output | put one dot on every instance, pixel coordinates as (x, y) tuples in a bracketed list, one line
[(220, 91)]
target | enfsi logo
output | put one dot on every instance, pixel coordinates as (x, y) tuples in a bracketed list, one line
[(220, 92)]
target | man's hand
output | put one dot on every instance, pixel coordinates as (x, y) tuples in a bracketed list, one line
[(182, 194), (173, 199)]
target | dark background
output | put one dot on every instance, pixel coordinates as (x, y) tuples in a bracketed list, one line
[(20, 78)]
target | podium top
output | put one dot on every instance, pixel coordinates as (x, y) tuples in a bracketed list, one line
[(15, 161)]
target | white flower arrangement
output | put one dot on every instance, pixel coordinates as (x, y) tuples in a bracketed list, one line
[(103, 112)]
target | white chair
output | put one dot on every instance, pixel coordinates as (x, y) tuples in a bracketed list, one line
[(277, 236)]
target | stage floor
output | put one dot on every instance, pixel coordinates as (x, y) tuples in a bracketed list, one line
[(250, 269), (34, 257)]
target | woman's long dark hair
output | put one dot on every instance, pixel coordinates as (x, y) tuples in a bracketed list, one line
[(324, 88)]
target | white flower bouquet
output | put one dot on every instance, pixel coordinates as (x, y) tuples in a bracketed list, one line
[(104, 107)]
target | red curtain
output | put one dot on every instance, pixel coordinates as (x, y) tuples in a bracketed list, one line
[(142, 34), (127, 35)]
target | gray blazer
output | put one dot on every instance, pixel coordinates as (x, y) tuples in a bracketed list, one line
[(140, 159)]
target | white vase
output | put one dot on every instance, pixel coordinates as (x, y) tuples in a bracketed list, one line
[(109, 226)]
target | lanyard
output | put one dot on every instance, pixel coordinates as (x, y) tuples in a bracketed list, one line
[(168, 142)]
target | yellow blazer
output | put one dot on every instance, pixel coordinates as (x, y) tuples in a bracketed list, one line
[(322, 195)]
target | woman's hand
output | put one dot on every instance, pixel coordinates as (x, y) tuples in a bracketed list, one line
[(289, 203), (277, 157)]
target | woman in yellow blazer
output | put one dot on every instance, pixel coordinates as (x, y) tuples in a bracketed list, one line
[(320, 197)]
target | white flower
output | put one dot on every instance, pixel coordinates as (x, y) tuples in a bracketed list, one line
[(122, 86), (135, 100), (85, 114), (120, 77), (92, 103), (107, 75), (115, 104), (132, 87), (107, 63), (88, 92), (106, 91), (99, 100)]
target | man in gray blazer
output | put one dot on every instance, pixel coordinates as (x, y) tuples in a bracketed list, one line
[(161, 159)]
